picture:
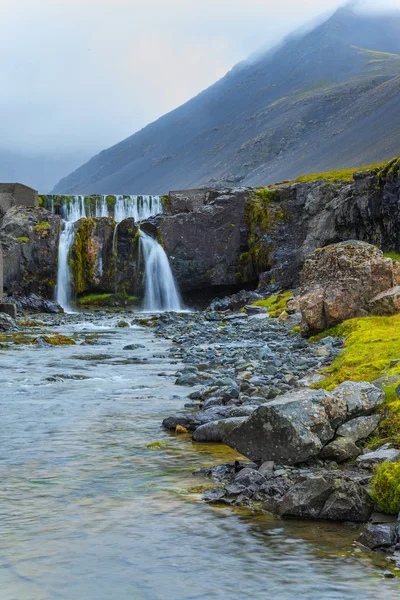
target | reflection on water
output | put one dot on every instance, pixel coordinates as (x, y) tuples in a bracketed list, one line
[(94, 500)]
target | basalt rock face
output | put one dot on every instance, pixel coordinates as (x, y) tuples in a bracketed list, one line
[(204, 235), (346, 280), (128, 274), (91, 256), (29, 238)]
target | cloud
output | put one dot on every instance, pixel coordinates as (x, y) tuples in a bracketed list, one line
[(80, 75)]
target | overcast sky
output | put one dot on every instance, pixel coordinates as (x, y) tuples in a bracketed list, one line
[(80, 75)]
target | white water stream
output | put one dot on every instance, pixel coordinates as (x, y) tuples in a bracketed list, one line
[(161, 292)]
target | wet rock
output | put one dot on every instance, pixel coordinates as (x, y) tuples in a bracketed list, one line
[(292, 429), (215, 431), (214, 496), (133, 347), (359, 428), (190, 422), (7, 323), (385, 452), (340, 450), (378, 536), (306, 499), (348, 502)]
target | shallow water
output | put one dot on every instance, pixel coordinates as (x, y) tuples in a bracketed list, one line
[(88, 511)]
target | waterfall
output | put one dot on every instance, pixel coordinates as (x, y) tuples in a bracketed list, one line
[(74, 208), (63, 288), (161, 292)]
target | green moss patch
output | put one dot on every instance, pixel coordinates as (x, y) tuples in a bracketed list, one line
[(275, 305), (23, 239), (340, 175), (94, 300), (392, 255), (386, 487)]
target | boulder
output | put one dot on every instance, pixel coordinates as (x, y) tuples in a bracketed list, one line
[(387, 303), (361, 398), (215, 431), (378, 535), (340, 450), (288, 430), (328, 498), (7, 323), (339, 281), (359, 428)]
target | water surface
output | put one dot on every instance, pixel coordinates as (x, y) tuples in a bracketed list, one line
[(98, 502)]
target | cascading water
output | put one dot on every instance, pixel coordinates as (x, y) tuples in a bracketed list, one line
[(161, 292), (81, 207)]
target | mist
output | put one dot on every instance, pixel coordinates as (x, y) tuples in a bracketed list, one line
[(80, 75)]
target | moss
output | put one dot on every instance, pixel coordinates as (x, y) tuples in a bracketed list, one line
[(340, 175), (371, 343), (166, 201), (94, 300), (28, 323), (23, 239), (392, 255), (386, 487), (42, 229), (263, 215), (58, 340), (275, 305), (295, 330), (42, 201), (81, 258)]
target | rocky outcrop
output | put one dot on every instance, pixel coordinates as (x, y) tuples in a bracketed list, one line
[(204, 235), (29, 238), (300, 425), (346, 280)]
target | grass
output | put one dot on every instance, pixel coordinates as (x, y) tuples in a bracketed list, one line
[(275, 305), (340, 175), (371, 351)]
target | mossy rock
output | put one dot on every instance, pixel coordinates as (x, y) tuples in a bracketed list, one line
[(386, 487), (275, 305)]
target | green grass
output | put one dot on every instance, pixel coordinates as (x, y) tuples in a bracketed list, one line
[(340, 175), (275, 305)]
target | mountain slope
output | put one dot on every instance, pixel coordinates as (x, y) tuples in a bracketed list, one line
[(328, 99)]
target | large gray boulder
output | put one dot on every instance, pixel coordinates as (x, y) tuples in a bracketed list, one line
[(327, 497), (361, 398), (289, 430), (359, 428), (216, 431)]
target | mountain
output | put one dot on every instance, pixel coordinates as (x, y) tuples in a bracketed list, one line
[(320, 101)]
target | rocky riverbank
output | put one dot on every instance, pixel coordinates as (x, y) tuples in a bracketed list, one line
[(306, 448)]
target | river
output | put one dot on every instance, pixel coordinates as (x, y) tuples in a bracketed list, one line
[(97, 502)]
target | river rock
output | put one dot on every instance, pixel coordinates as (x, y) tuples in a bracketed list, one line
[(339, 281), (6, 322), (385, 452), (379, 535), (215, 431), (359, 428), (340, 450), (317, 497), (289, 430)]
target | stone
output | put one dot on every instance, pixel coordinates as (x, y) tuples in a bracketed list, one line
[(306, 499), (215, 431), (9, 309), (340, 450), (348, 502), (380, 535), (248, 477), (288, 430), (361, 398), (267, 469), (190, 422), (339, 281), (385, 452), (359, 428), (6, 323), (386, 303)]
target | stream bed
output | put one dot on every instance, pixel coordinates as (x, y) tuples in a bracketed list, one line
[(98, 502)]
